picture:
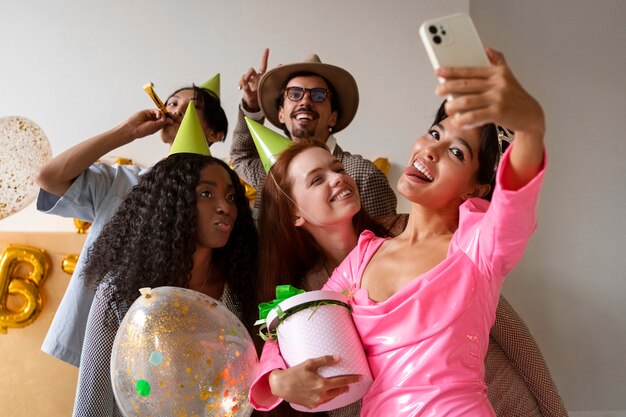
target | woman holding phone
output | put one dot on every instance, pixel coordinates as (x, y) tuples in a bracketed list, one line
[(441, 277)]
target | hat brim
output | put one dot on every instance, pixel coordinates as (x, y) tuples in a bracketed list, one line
[(273, 82)]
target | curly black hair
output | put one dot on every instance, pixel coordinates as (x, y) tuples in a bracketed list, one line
[(151, 239)]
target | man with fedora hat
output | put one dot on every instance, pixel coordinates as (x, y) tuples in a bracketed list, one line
[(309, 100)]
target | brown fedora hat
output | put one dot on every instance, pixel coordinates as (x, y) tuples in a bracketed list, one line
[(273, 82)]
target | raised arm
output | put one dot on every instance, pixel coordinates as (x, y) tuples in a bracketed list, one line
[(243, 153), (493, 95), (57, 176), (244, 156), (249, 84)]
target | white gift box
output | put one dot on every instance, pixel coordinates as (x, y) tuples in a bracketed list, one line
[(319, 330)]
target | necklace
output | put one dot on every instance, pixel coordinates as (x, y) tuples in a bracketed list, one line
[(207, 277)]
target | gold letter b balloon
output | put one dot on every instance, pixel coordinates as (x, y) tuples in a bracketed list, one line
[(22, 286)]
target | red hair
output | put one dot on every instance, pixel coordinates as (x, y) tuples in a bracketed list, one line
[(288, 252)]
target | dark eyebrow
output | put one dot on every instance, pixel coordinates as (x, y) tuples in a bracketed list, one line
[(214, 184), (178, 97), (460, 139)]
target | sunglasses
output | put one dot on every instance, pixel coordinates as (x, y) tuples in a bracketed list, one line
[(317, 94)]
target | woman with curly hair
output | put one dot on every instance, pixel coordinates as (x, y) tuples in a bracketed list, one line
[(187, 223), (75, 185)]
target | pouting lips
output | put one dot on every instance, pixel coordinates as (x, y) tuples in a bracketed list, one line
[(223, 226)]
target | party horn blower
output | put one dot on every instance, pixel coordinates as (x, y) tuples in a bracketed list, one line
[(149, 88)]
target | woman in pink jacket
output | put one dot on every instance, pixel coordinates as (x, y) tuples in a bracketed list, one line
[(424, 301)]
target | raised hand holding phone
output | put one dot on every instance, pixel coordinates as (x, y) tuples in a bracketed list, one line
[(453, 41)]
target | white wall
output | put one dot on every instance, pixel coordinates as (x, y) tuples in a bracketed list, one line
[(77, 68), (571, 285)]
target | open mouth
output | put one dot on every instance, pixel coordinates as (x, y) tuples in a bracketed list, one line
[(347, 192), (422, 172), (305, 114)]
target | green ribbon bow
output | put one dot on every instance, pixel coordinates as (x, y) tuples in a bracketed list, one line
[(283, 292)]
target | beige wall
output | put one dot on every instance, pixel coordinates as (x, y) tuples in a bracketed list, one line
[(33, 383)]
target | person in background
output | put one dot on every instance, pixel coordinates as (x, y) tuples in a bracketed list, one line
[(75, 185), (309, 100)]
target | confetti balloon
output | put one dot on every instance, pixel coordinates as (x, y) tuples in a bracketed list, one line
[(24, 147), (179, 352)]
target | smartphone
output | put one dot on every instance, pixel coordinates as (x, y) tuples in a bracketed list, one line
[(453, 41)]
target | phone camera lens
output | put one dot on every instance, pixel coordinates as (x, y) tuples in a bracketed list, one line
[(437, 39), (432, 29)]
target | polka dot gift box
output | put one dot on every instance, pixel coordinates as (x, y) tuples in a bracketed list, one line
[(318, 323)]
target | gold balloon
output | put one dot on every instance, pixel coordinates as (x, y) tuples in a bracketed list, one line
[(22, 286), (123, 161), (383, 164), (250, 191), (81, 226), (69, 264)]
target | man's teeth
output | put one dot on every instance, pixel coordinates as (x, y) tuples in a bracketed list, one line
[(421, 168), (303, 117)]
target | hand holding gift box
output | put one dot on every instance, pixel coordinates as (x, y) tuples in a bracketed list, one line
[(312, 324)]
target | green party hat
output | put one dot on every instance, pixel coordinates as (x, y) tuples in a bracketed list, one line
[(213, 84), (268, 143), (190, 137)]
